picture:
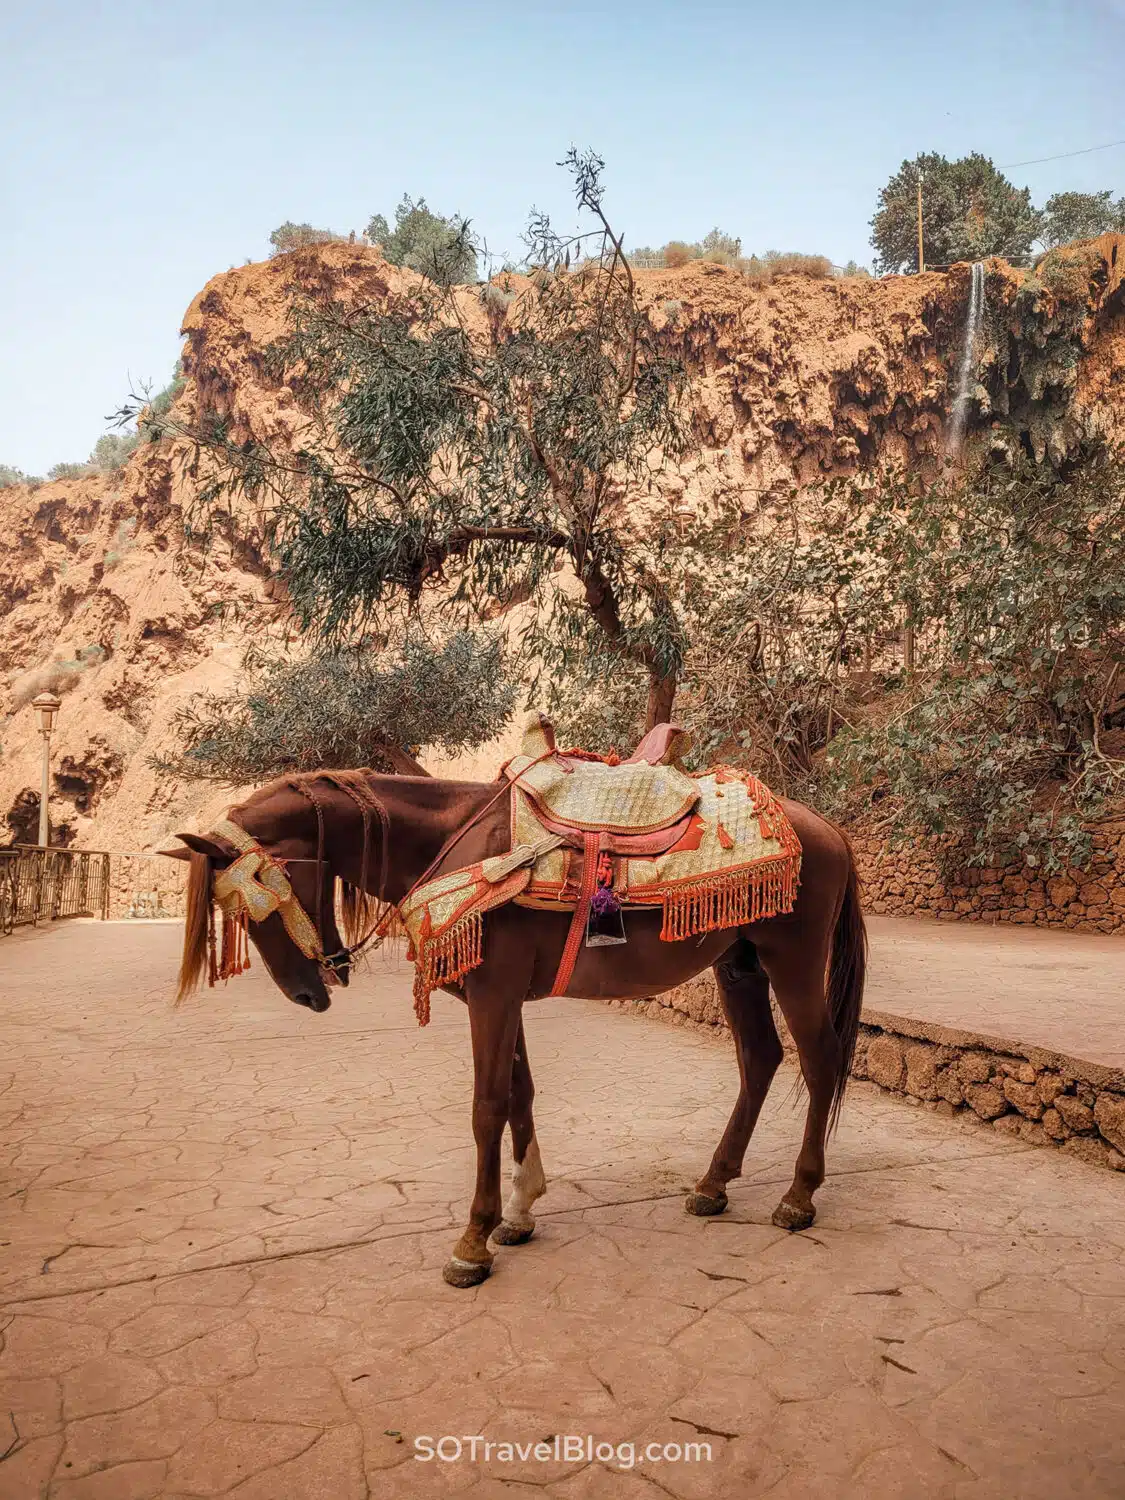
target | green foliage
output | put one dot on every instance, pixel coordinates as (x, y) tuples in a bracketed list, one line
[(1009, 735), (853, 268), (1010, 731), (473, 465), (969, 211), (441, 249), (341, 708), (1068, 272), (290, 236), (151, 421), (10, 476), (111, 451), (787, 613), (719, 244), (1080, 216)]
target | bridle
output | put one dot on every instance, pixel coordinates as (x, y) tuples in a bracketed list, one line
[(251, 889), (257, 884)]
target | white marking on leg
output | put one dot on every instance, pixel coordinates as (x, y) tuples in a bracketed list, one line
[(528, 1183)]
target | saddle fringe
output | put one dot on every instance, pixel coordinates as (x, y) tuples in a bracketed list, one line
[(732, 900), (446, 959)]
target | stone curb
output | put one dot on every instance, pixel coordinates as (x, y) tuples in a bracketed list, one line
[(1045, 1098)]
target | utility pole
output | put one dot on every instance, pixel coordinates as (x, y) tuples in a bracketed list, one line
[(921, 250)]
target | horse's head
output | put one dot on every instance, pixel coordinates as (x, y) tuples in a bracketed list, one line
[(266, 869)]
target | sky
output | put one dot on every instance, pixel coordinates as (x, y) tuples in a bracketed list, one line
[(146, 148)]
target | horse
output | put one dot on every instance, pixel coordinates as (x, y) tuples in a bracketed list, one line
[(370, 838)]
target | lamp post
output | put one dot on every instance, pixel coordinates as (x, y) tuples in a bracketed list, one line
[(46, 705)]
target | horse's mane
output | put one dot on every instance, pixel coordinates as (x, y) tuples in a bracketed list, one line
[(358, 909)]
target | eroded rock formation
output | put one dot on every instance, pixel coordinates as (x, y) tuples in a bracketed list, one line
[(793, 381)]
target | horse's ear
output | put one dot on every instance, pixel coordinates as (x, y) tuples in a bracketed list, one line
[(198, 843)]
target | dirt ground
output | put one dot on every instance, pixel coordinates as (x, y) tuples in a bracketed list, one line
[(222, 1230)]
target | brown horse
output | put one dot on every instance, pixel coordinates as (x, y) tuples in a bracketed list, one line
[(323, 826)]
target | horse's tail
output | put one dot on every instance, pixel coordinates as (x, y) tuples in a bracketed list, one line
[(197, 926), (846, 972)]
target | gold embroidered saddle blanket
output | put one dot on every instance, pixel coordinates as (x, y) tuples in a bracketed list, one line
[(710, 851)]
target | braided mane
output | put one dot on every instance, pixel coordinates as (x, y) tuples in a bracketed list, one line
[(359, 908)]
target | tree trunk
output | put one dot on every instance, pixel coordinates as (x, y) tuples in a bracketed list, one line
[(661, 696)]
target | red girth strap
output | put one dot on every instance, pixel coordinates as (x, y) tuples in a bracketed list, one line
[(591, 848)]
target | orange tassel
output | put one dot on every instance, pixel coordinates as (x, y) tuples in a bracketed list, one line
[(725, 840)]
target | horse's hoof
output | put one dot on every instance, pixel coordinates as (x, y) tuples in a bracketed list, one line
[(789, 1216), (704, 1206), (512, 1234), (465, 1273)]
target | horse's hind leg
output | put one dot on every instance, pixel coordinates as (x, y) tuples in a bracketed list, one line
[(528, 1181), (745, 994), (797, 972)]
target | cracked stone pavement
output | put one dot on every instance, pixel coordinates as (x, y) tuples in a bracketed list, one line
[(222, 1231)]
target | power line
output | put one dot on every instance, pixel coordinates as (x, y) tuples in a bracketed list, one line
[(1035, 160)]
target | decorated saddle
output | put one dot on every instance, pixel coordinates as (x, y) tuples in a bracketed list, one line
[(593, 835)]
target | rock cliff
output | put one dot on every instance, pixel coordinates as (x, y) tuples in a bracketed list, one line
[(793, 380)]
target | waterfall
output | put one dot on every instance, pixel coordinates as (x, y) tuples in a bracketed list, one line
[(967, 370)]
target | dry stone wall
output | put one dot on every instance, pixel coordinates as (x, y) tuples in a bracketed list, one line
[(927, 879), (1037, 1096)]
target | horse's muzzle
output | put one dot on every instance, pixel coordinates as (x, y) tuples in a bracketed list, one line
[(316, 1003)]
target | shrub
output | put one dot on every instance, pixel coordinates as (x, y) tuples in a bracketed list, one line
[(1010, 732), (112, 450), (10, 476), (497, 299), (439, 248), (791, 263), (677, 253), (123, 540), (718, 244), (1067, 273), (290, 236), (69, 471)]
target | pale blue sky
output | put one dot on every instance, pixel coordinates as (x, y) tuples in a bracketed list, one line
[(143, 148)]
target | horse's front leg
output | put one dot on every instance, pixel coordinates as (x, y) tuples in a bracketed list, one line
[(494, 1021), (528, 1181)]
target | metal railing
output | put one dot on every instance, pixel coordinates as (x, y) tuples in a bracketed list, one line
[(145, 886), (41, 885)]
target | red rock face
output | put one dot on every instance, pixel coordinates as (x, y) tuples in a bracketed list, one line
[(793, 381)]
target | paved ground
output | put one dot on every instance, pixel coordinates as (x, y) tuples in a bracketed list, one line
[(1058, 990), (222, 1231)]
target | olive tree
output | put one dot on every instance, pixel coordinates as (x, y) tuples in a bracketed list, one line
[(478, 451), (345, 707)]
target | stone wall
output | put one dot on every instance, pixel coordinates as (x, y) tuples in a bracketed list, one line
[(1041, 1097), (926, 879)]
